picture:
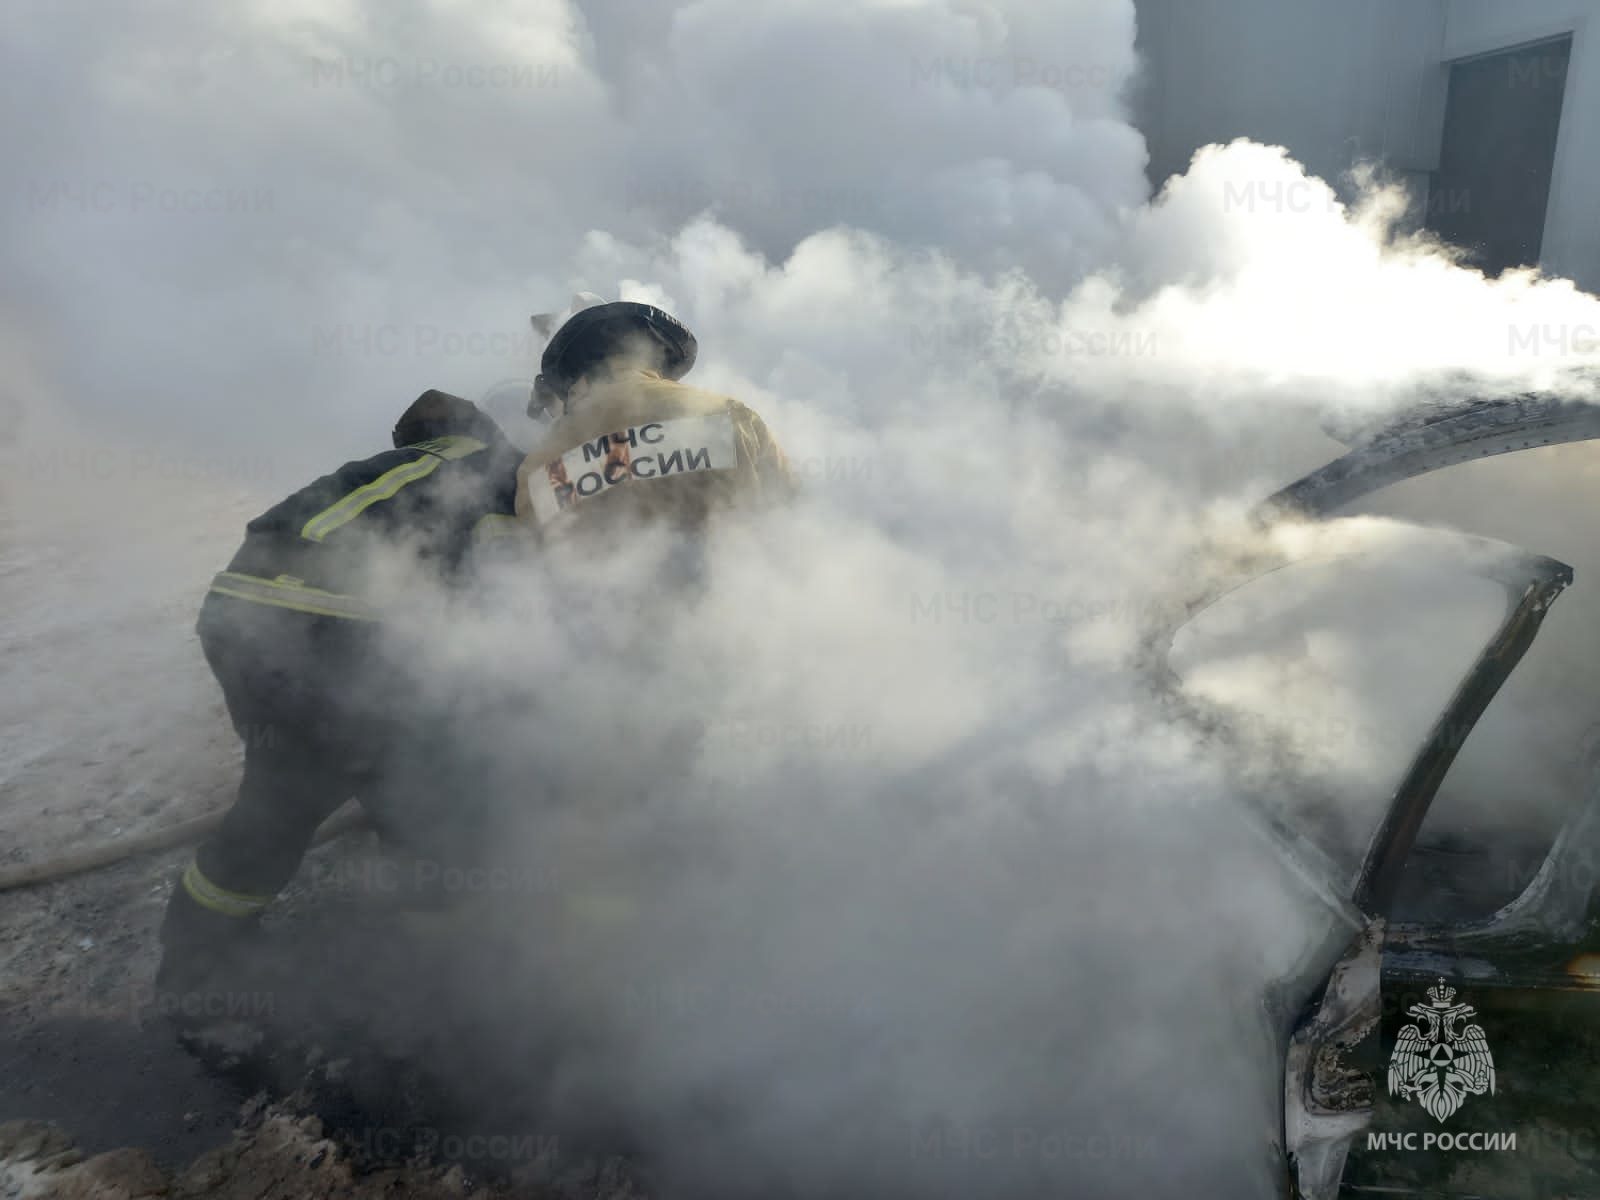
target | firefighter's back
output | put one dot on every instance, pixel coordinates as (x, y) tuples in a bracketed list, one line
[(637, 447)]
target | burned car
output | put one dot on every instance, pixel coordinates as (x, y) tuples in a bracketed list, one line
[(1441, 1041)]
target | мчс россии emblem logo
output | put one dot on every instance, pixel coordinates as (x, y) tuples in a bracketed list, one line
[(1439, 1061)]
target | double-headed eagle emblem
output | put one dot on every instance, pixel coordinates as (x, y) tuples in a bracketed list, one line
[(1439, 1061)]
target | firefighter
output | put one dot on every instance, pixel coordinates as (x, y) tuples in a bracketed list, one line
[(629, 441), (323, 713), (631, 472), (293, 642)]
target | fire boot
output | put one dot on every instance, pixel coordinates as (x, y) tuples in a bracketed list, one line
[(207, 948)]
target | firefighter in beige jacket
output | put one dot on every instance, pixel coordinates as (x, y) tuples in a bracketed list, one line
[(632, 444)]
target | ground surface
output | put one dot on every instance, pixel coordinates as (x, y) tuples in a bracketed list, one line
[(90, 1059), (275, 1155)]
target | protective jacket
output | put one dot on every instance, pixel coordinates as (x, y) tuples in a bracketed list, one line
[(634, 445), (447, 485)]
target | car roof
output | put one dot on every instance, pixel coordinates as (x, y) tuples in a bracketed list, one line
[(1431, 437)]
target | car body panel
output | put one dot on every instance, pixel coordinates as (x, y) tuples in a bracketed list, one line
[(1531, 970)]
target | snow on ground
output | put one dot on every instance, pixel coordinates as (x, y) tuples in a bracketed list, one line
[(278, 1156), (109, 721), (110, 727)]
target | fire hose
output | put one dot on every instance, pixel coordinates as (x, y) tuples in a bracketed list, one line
[(184, 833)]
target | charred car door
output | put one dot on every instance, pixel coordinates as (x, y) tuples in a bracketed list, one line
[(1449, 1050), (1458, 1044), (1349, 761)]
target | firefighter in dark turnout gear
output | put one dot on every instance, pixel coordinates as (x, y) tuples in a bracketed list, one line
[(292, 642)]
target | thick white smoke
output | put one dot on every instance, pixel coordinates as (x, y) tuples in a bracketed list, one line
[(891, 936)]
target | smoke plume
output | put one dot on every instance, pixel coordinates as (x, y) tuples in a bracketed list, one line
[(869, 864)]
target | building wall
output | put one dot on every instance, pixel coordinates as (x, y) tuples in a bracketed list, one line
[(1336, 82)]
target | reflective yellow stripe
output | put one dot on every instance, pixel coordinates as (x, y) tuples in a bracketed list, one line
[(288, 592), (347, 508), (220, 899), (451, 447), (497, 525), (357, 502)]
